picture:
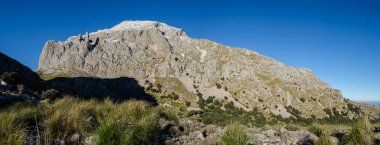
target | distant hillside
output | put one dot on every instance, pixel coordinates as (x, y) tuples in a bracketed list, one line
[(375, 103), (28, 78)]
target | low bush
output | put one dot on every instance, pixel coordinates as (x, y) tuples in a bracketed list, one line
[(324, 140), (51, 94), (191, 113), (201, 103), (210, 99), (361, 133), (219, 86), (316, 131), (11, 78), (234, 134)]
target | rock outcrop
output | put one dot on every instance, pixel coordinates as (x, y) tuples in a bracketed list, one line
[(153, 52)]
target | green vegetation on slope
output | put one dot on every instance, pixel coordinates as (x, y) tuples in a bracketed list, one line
[(218, 113)]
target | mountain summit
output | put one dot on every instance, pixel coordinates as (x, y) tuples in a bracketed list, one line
[(167, 62)]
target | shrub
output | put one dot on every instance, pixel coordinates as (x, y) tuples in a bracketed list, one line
[(219, 86), (167, 114), (51, 94), (303, 100), (175, 97), (201, 102), (229, 106), (188, 103), (191, 113), (217, 103), (210, 99), (234, 134), (316, 130), (292, 127), (361, 133), (11, 78), (324, 140), (172, 95)]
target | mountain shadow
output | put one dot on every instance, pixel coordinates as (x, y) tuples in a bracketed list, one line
[(28, 78), (117, 89)]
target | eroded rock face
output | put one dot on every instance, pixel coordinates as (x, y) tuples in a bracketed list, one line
[(148, 50)]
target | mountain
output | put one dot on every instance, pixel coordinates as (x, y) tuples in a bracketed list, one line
[(375, 103), (167, 62), (28, 78)]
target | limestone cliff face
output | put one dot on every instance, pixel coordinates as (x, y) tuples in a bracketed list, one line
[(158, 53)]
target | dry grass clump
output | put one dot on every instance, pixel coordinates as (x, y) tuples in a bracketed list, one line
[(234, 134), (130, 122), (11, 132)]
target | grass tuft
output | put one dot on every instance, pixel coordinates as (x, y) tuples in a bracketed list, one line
[(324, 140), (234, 134)]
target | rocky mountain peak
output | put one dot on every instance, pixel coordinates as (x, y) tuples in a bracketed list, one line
[(144, 25), (159, 55), (136, 25)]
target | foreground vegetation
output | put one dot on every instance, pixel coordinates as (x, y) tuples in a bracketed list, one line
[(360, 133), (131, 122), (74, 121)]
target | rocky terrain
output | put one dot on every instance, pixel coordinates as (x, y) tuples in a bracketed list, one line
[(165, 58)]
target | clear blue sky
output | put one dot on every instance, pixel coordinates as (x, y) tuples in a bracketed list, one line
[(339, 40)]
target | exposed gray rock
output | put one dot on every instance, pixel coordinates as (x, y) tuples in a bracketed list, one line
[(76, 138), (148, 50), (297, 137), (266, 137)]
